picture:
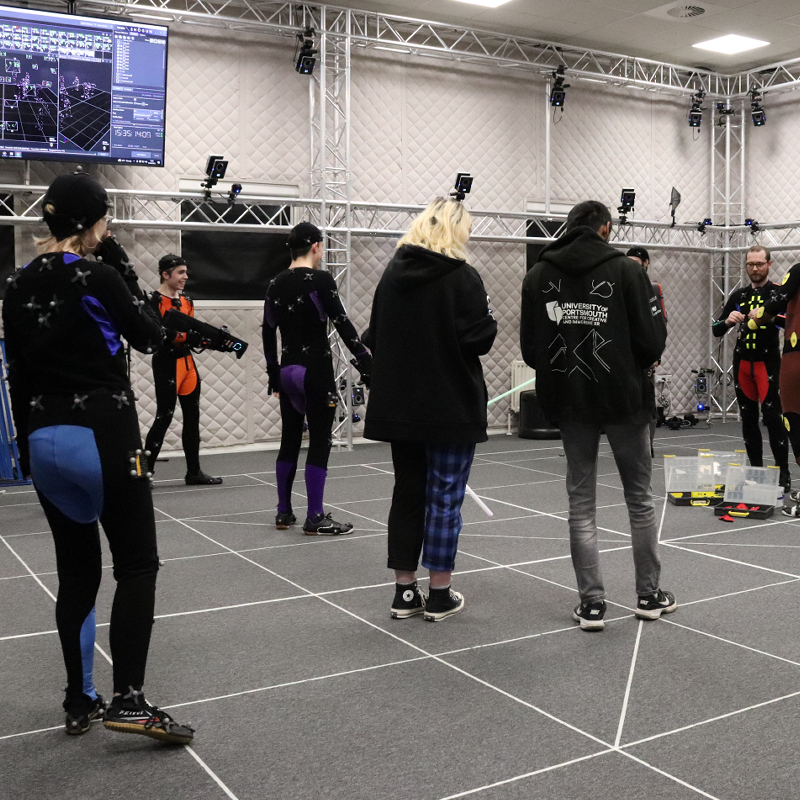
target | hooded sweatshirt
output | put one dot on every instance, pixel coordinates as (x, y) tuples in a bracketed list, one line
[(430, 323), (591, 326)]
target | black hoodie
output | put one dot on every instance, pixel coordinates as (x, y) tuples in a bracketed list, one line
[(430, 322), (591, 327)]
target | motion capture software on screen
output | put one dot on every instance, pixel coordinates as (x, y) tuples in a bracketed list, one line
[(81, 89)]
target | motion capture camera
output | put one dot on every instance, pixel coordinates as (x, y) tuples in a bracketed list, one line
[(627, 202), (306, 61), (753, 225), (463, 186), (216, 167), (235, 191), (558, 94), (701, 226)]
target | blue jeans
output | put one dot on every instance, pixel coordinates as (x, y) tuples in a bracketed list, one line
[(630, 445)]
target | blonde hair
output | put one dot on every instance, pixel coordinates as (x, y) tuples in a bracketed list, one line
[(81, 243), (444, 227)]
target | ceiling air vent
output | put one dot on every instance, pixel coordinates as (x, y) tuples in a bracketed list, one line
[(685, 12)]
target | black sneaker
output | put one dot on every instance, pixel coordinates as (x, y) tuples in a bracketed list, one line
[(131, 713), (325, 525), (201, 479), (409, 601), (443, 603), (81, 710), (590, 615), (791, 511), (284, 520), (652, 606), (795, 495), (785, 480)]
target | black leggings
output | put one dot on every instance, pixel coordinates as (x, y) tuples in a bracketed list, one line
[(124, 507), (164, 371)]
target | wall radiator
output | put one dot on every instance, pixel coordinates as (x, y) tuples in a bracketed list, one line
[(520, 372)]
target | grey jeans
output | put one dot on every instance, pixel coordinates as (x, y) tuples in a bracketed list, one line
[(631, 447)]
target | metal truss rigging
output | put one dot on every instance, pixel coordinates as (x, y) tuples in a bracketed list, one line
[(453, 42)]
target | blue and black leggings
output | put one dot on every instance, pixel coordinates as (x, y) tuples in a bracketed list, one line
[(79, 456)]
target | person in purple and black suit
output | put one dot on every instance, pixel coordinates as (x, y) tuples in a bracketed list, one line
[(300, 302)]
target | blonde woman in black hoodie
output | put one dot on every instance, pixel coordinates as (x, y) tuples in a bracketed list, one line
[(430, 324)]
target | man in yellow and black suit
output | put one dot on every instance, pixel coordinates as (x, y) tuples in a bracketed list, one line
[(757, 363)]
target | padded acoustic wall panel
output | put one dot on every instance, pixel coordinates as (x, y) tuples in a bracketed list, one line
[(433, 119)]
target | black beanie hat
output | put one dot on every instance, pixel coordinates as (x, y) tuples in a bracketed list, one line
[(638, 252), (303, 235), (79, 201), (170, 261)]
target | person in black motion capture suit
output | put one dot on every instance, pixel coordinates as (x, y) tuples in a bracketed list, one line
[(78, 434), (175, 374), (757, 364), (300, 301)]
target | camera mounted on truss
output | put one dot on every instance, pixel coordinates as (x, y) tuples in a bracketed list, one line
[(306, 61), (627, 202), (463, 186), (558, 94), (216, 167)]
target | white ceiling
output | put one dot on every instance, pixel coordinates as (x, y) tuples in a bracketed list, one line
[(624, 26)]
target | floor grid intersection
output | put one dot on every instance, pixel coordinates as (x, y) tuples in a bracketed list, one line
[(280, 650)]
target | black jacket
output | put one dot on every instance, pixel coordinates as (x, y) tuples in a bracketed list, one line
[(63, 319), (591, 327), (430, 323), (761, 344)]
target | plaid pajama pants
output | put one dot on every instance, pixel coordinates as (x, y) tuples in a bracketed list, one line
[(430, 482)]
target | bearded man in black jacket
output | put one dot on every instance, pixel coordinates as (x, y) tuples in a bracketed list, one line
[(591, 327)]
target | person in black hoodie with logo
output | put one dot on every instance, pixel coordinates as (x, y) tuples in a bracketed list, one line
[(591, 327), (430, 324)]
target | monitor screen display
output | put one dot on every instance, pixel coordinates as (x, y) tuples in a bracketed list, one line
[(79, 88)]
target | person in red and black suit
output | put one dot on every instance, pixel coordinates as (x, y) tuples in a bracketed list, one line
[(757, 363), (175, 374)]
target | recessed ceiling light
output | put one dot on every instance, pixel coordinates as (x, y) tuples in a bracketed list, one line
[(731, 44), (485, 3)]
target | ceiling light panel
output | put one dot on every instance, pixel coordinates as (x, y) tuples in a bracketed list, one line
[(731, 44), (485, 3)]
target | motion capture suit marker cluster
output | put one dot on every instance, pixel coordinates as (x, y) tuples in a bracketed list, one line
[(122, 399), (13, 278), (138, 304), (78, 402), (47, 264), (80, 276), (36, 403), (44, 320), (55, 303), (32, 305)]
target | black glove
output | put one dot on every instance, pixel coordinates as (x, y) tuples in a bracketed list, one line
[(364, 366), (194, 339), (111, 252), (274, 379)]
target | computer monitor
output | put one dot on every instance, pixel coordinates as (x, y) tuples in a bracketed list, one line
[(78, 88)]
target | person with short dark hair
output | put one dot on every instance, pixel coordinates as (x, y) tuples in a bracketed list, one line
[(300, 301), (757, 364), (78, 434), (591, 328), (175, 374), (640, 255)]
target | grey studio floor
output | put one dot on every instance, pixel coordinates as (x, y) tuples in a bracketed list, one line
[(280, 650)]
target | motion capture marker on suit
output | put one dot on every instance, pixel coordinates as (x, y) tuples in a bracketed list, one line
[(32, 305), (80, 276), (47, 264), (56, 304), (308, 277), (122, 399), (44, 320), (13, 278), (138, 303), (78, 402), (36, 403)]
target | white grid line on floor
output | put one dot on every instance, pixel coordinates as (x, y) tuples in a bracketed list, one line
[(628, 684)]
